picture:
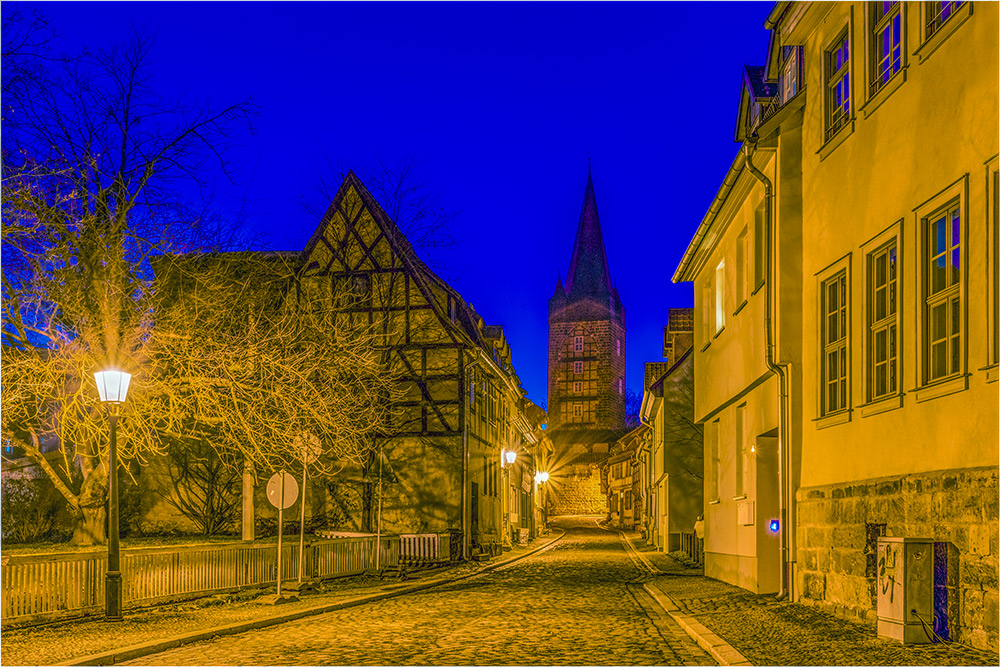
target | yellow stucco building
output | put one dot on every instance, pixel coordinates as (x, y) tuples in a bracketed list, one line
[(869, 349)]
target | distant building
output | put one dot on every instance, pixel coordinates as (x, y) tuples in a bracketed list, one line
[(586, 384), (621, 479), (671, 454), (846, 286)]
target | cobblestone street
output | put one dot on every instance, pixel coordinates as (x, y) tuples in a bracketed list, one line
[(579, 602)]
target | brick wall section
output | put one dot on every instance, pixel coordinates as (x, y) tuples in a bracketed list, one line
[(956, 508), (603, 336)]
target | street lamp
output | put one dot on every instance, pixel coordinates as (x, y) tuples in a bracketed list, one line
[(112, 385), (511, 456)]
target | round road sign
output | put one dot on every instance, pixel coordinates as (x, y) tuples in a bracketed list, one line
[(274, 495)]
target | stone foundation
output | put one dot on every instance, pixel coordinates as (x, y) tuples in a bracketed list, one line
[(838, 527)]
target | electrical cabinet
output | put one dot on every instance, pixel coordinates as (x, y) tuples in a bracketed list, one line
[(905, 582)]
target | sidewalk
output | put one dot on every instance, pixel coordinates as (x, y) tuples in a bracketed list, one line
[(767, 632), (152, 629)]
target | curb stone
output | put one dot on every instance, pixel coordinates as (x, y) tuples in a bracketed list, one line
[(156, 646), (714, 645)]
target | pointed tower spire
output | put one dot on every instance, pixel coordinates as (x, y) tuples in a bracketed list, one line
[(588, 267)]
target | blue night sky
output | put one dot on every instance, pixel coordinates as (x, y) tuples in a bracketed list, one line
[(501, 104)]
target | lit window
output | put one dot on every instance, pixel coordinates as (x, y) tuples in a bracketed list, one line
[(741, 266), (943, 297), (578, 367), (720, 292), (937, 13), (834, 341), (886, 40), (882, 328), (621, 386), (838, 85), (578, 344), (619, 344), (577, 387), (577, 410)]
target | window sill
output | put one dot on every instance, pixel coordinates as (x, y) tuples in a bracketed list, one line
[(719, 332), (706, 346), (714, 502), (740, 307), (991, 372), (743, 497), (881, 405), (757, 288), (835, 419), (942, 388), (884, 93), (960, 16), (833, 142)]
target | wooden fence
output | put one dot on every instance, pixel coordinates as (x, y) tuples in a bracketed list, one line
[(41, 587), (425, 548)]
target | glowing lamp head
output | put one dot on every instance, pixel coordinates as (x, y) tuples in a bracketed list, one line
[(112, 385), (510, 456), (541, 477), (774, 526)]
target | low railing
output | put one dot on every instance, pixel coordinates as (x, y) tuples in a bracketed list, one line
[(694, 547), (425, 548), (41, 587)]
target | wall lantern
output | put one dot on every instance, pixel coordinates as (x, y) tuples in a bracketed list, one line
[(510, 456)]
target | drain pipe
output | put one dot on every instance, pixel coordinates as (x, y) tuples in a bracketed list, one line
[(779, 370), (466, 510)]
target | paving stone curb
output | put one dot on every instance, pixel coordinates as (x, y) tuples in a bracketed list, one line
[(714, 645), (139, 650)]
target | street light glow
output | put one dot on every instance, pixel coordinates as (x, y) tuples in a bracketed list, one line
[(511, 456), (112, 385), (541, 477)]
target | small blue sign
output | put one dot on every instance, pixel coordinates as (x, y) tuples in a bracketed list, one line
[(774, 525)]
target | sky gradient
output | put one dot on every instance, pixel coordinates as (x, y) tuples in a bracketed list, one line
[(500, 103)]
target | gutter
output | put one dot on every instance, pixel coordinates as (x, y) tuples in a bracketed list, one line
[(781, 370), (466, 510)]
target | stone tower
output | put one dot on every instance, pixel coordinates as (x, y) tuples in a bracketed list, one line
[(587, 336)]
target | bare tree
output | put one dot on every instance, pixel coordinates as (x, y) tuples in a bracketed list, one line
[(204, 487), (633, 406), (90, 175)]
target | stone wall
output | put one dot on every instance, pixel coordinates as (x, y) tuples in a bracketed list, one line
[(838, 527), (577, 492)]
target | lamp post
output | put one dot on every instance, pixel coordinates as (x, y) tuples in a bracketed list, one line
[(508, 456), (541, 478), (112, 385)]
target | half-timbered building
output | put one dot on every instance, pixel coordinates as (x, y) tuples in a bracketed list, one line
[(460, 403)]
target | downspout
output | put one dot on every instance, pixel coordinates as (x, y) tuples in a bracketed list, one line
[(784, 468), (466, 510)]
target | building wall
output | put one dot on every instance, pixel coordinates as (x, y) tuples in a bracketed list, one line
[(923, 461)]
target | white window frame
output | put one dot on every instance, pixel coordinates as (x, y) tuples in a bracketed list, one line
[(834, 123), (841, 413), (890, 237), (578, 368), (877, 27), (955, 195), (578, 343)]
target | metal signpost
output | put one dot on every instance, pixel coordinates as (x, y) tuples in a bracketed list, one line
[(310, 448), (281, 492)]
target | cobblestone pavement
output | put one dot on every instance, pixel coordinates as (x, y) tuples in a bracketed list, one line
[(769, 632), (580, 602)]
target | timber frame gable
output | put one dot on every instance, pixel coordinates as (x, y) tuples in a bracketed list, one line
[(362, 261)]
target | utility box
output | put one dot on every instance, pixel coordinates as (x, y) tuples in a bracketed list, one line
[(905, 583)]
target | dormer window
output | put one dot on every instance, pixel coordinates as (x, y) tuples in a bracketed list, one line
[(791, 72)]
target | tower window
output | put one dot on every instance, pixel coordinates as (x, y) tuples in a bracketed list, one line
[(577, 387), (621, 386), (578, 344), (577, 410), (578, 367), (619, 342)]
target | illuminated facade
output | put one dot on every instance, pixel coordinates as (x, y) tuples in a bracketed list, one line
[(862, 369)]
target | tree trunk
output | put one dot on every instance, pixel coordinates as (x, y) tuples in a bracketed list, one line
[(90, 525)]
